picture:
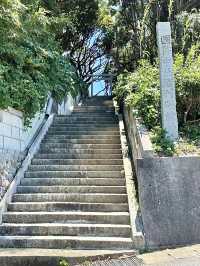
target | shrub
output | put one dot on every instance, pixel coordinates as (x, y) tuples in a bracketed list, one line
[(161, 143), (141, 91), (188, 85), (31, 62)]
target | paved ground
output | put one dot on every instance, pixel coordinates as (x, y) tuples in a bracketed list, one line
[(186, 256)]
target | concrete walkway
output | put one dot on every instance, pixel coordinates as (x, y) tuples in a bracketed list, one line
[(185, 256)]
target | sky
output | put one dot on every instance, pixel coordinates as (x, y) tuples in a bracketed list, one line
[(98, 86)]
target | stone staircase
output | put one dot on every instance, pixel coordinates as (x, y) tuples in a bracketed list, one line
[(73, 195)]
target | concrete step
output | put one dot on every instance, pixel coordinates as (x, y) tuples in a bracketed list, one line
[(73, 167), (74, 151), (81, 141), (75, 242), (97, 100), (71, 197), (102, 103), (84, 128), (83, 132), (90, 116), (72, 189), (96, 105), (86, 119), (67, 206), (94, 109), (106, 104), (67, 217), (93, 112), (80, 146), (95, 137), (75, 174), (77, 162), (84, 124), (52, 257), (73, 181), (84, 103), (61, 229), (82, 156)]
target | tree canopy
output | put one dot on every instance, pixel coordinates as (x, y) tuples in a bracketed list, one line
[(54, 46), (48, 47)]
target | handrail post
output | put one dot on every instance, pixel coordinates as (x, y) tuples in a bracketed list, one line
[(92, 88)]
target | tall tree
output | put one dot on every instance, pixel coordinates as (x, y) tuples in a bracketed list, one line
[(80, 34)]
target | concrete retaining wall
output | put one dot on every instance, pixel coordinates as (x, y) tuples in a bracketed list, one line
[(67, 106), (9, 161), (169, 192), (14, 138), (11, 128), (26, 162), (28, 133), (11, 146)]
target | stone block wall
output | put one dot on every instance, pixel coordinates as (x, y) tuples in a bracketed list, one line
[(11, 130), (14, 138), (9, 162)]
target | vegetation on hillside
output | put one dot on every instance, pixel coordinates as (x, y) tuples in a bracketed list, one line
[(31, 61), (134, 52), (142, 92), (34, 36)]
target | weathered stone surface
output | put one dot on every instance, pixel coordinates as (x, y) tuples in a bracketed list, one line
[(169, 190), (9, 161), (168, 193), (167, 82), (76, 188)]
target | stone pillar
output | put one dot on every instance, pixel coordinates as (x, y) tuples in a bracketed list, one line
[(167, 81)]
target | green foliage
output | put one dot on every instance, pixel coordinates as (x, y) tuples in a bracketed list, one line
[(186, 147), (141, 91), (187, 72), (64, 263), (77, 28), (162, 144), (31, 62), (186, 31), (134, 28), (192, 132)]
